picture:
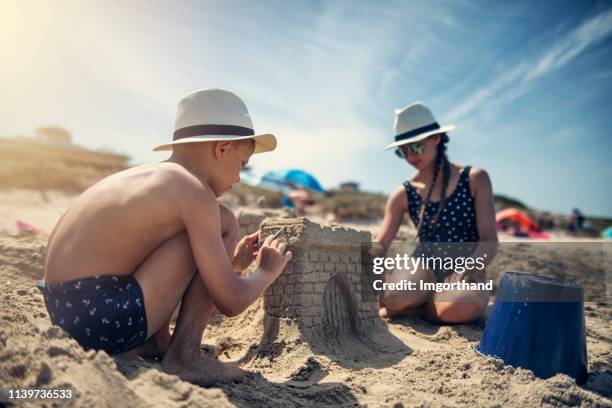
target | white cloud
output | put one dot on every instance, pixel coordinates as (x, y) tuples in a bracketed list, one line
[(574, 43), (603, 74), (488, 101), (485, 94)]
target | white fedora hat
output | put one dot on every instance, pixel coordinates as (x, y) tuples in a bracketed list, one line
[(415, 122), (215, 114)]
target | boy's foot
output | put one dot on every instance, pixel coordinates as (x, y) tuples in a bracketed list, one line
[(155, 347), (199, 367), (129, 356), (210, 350)]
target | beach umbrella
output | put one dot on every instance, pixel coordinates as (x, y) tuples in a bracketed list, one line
[(288, 179), (248, 176), (517, 216)]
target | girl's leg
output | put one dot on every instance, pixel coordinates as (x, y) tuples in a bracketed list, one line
[(465, 307), (458, 306), (402, 303)]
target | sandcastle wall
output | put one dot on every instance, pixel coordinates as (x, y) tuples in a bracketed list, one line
[(250, 219), (321, 287)]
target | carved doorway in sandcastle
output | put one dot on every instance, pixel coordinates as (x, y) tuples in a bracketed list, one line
[(339, 309)]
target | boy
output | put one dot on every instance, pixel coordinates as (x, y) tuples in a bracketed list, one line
[(137, 243)]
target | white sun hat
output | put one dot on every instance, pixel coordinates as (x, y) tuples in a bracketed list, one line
[(215, 114), (415, 122)]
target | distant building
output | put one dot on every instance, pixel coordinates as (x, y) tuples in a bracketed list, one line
[(53, 135), (349, 187)]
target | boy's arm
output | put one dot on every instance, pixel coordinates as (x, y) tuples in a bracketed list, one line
[(231, 293)]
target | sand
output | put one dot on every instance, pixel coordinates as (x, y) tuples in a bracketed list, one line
[(407, 361)]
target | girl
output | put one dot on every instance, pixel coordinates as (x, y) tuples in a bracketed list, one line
[(447, 202)]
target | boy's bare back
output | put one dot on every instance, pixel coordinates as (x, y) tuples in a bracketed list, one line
[(116, 223)]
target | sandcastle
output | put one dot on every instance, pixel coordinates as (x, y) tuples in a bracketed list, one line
[(250, 219), (322, 288)]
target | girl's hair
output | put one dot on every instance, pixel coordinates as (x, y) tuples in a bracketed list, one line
[(443, 164)]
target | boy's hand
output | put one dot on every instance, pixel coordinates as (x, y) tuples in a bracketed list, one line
[(245, 252), (271, 257)]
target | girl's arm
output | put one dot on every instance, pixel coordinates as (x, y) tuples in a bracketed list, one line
[(485, 213), (397, 204)]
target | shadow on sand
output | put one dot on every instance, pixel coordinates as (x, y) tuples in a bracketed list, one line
[(360, 344), (304, 387)]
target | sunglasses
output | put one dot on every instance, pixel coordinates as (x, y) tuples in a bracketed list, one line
[(415, 148)]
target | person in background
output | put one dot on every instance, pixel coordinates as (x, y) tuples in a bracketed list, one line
[(576, 223), (447, 202)]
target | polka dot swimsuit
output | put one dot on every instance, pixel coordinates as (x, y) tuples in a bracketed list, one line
[(456, 222)]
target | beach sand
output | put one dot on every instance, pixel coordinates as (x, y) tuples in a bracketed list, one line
[(409, 361)]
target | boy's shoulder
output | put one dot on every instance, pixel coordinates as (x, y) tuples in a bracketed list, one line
[(179, 182), (178, 176), (172, 171)]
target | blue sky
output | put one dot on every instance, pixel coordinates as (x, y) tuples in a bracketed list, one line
[(528, 84)]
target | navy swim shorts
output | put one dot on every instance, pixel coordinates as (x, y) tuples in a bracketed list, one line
[(102, 312)]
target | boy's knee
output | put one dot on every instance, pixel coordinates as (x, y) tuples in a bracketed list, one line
[(181, 240), (229, 223), (180, 245)]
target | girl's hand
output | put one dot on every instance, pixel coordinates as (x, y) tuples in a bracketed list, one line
[(245, 252)]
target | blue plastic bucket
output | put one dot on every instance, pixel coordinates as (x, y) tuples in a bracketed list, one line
[(537, 323)]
